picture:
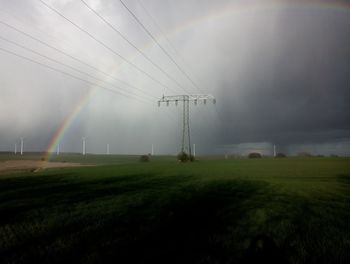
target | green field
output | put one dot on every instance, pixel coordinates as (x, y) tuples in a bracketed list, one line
[(211, 211)]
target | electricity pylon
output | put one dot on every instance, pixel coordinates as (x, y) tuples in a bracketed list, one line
[(186, 99)]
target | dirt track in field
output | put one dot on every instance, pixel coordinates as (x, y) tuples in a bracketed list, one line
[(33, 165)]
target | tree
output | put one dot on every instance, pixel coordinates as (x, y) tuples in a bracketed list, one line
[(144, 158), (281, 155), (254, 155), (184, 157)]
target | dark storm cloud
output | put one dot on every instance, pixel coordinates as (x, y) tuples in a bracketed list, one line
[(297, 88)]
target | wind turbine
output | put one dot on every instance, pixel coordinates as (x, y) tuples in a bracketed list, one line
[(58, 149), (107, 149), (21, 145), (83, 138), (15, 148)]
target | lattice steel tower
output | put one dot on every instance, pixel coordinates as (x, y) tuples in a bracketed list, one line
[(186, 99)]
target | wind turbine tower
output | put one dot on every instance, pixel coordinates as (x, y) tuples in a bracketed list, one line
[(21, 145), (274, 150), (107, 152), (194, 150), (58, 149), (15, 148), (83, 145)]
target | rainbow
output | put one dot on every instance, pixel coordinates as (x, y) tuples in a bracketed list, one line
[(336, 5), (55, 140)]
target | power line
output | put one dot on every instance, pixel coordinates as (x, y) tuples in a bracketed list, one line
[(159, 45), (165, 37), (154, 21), (132, 44), (104, 45), (131, 96), (64, 53), (61, 63), (24, 22), (74, 77), (68, 55)]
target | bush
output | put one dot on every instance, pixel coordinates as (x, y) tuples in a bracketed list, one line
[(192, 158), (254, 155), (304, 154), (184, 157), (281, 155), (144, 158)]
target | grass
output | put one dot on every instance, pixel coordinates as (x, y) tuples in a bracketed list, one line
[(212, 211), (83, 159)]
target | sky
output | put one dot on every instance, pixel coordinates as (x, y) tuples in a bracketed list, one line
[(279, 70)]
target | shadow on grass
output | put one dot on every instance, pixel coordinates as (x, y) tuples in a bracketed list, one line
[(20, 195), (345, 179), (177, 219)]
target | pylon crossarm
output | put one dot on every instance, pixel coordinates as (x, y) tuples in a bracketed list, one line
[(191, 98)]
